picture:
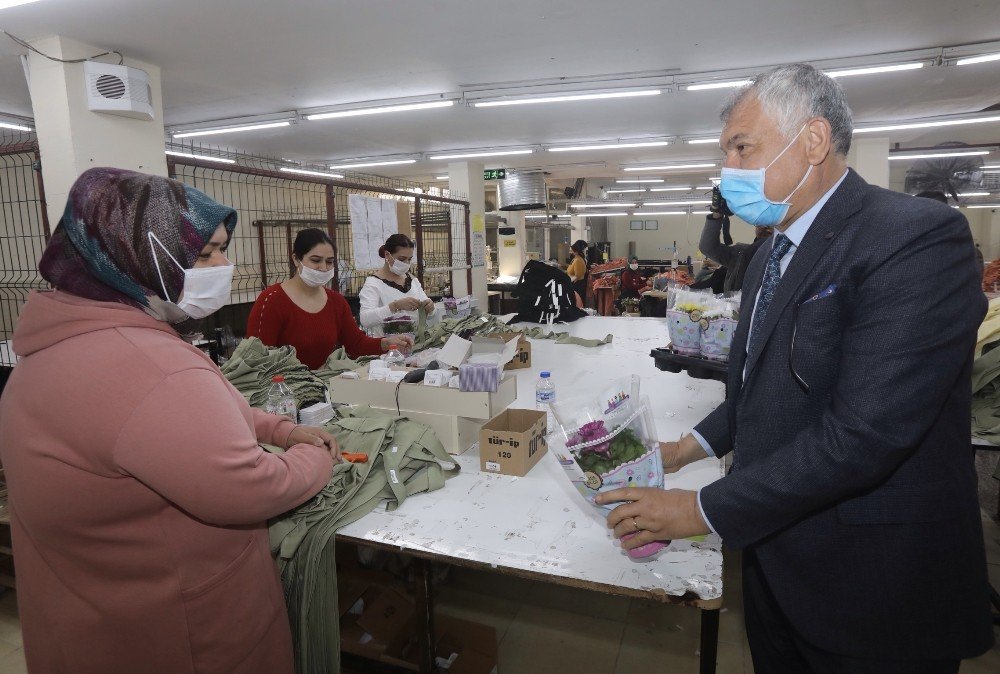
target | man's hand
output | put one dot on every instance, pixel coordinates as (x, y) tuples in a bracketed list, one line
[(314, 435), (653, 515), (678, 454)]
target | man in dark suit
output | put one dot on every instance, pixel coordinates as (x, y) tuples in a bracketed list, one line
[(852, 491)]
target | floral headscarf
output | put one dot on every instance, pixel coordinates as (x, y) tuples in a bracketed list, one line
[(101, 249)]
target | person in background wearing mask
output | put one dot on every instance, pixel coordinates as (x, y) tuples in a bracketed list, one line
[(304, 313), (632, 283), (392, 290), (577, 268), (852, 491), (139, 495)]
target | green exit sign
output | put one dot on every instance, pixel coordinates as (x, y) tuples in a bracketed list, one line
[(494, 174)]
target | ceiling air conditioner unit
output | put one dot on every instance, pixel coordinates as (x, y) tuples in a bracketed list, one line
[(118, 90)]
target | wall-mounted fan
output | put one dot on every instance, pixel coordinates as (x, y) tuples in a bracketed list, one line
[(951, 175)]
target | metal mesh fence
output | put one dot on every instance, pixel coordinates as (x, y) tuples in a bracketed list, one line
[(24, 228), (273, 207)]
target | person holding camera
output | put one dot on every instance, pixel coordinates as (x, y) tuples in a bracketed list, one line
[(735, 257)]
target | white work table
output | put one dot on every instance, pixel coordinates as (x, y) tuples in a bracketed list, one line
[(538, 526)]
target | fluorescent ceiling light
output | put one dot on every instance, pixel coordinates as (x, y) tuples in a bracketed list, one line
[(614, 146), (984, 206), (675, 167), (379, 110), (977, 59), (442, 178), (15, 127), (717, 85), (678, 203), (312, 173), (632, 191), (848, 72), (660, 213), (4, 4), (672, 189), (202, 157), (701, 141), (566, 98), (484, 153), (973, 194), (640, 180), (991, 166), (599, 215), (938, 155), (393, 162), (705, 187), (928, 125), (230, 129), (996, 170), (608, 205), (700, 212)]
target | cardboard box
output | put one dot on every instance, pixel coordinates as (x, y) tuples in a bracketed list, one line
[(455, 416), (474, 644), (387, 615), (522, 358), (512, 442)]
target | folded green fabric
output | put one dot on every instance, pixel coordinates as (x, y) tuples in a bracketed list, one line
[(253, 364), (986, 397)]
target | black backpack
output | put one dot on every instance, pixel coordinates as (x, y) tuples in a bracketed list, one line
[(544, 292)]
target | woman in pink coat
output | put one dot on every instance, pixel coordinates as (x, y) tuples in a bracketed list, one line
[(138, 493)]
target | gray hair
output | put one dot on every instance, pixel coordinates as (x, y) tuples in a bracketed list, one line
[(794, 93)]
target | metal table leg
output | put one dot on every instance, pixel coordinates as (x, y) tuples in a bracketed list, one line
[(425, 614), (709, 640)]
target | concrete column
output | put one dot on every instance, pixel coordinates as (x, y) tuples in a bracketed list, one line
[(579, 229), (73, 138), (466, 178), (511, 247), (870, 158)]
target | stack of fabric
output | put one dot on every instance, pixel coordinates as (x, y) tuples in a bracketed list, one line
[(253, 365), (405, 458)]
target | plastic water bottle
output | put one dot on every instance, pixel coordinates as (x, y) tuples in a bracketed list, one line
[(545, 397), (281, 400)]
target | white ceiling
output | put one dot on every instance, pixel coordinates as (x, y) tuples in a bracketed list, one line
[(232, 58)]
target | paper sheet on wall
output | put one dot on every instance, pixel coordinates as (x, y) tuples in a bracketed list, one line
[(372, 222), (478, 240)]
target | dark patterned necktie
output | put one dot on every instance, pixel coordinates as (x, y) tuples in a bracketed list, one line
[(772, 276)]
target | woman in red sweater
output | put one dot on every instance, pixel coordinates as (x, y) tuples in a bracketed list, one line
[(303, 313)]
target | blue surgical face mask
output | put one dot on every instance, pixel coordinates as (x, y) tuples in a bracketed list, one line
[(743, 190)]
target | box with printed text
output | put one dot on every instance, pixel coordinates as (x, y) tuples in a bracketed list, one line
[(512, 442)]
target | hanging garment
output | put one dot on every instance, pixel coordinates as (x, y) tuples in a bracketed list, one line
[(405, 458)]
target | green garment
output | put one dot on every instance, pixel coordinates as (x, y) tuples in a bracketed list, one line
[(986, 397), (253, 364), (336, 362), (405, 458), (479, 324)]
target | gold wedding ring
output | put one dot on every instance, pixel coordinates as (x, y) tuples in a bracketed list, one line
[(636, 525)]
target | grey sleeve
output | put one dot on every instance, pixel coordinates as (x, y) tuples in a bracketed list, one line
[(711, 243)]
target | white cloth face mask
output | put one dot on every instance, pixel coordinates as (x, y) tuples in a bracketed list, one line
[(206, 289)]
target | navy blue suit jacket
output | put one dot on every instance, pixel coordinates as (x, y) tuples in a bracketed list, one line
[(859, 496)]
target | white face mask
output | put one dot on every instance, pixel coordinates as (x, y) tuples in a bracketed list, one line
[(633, 267), (206, 289), (314, 278), (398, 267)]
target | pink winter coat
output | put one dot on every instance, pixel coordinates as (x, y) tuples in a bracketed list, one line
[(139, 498)]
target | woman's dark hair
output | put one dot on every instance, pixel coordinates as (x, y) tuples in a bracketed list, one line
[(579, 246), (633, 259), (394, 243), (307, 239)]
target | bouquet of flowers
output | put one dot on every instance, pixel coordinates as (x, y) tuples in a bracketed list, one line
[(609, 444)]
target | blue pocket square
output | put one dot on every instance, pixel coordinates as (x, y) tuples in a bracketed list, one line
[(829, 290)]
